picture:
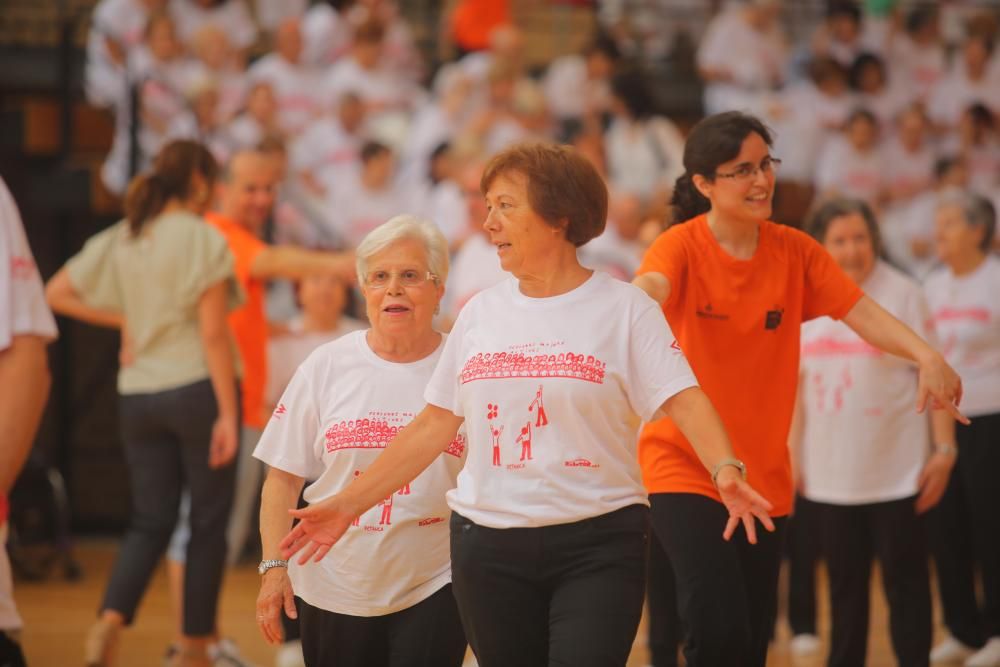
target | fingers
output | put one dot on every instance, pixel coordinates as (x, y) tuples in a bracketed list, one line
[(293, 541), (922, 393), (764, 518), (730, 527), (290, 609), (308, 551), (322, 551), (952, 409), (750, 527)]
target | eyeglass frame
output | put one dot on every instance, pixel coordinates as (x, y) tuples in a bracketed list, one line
[(430, 276), (772, 165)]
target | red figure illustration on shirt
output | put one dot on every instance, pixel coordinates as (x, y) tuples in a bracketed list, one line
[(386, 512), (405, 491), (541, 420), (496, 443), (525, 440)]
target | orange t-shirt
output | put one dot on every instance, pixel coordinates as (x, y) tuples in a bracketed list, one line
[(249, 322), (738, 322), (474, 20)]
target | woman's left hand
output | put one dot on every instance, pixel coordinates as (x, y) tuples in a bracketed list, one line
[(275, 595), (940, 386), (933, 481), (743, 504)]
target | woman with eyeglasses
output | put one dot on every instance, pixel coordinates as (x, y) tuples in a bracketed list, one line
[(735, 288), (383, 596), (548, 538)]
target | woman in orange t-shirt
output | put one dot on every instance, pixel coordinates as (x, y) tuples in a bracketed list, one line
[(735, 289)]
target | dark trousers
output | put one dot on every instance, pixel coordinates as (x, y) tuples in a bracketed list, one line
[(896, 535), (167, 436), (10, 650), (966, 534), (726, 591), (428, 634), (803, 547), (567, 595), (664, 630)]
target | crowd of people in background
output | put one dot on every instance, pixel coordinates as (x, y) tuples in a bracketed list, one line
[(326, 121)]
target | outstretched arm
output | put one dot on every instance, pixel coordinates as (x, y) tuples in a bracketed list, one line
[(655, 284), (412, 450), (938, 382), (292, 262)]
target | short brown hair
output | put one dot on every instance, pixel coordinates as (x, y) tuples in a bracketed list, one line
[(561, 184)]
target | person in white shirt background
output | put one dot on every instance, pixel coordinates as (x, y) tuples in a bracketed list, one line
[(383, 597), (232, 16), (577, 86), (864, 458), (117, 27), (258, 120), (966, 313), (26, 327), (972, 78), (875, 91), (851, 164), (978, 143), (548, 554), (916, 56)]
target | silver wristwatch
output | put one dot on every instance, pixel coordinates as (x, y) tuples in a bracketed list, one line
[(736, 463), (266, 565)]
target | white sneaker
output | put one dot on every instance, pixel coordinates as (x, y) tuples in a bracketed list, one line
[(290, 655), (987, 656), (804, 644), (951, 650), (225, 653)]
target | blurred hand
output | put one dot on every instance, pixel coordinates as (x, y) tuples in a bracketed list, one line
[(940, 386), (933, 480), (225, 442), (275, 595), (743, 504)]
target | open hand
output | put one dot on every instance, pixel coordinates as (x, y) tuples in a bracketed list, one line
[(743, 504), (318, 529)]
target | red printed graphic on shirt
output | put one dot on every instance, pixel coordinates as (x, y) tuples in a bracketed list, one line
[(405, 491), (22, 268), (830, 397), (951, 314), (456, 447), (357, 519), (504, 365), (541, 420), (828, 346), (386, 506), (495, 436), (525, 440), (372, 432), (280, 410)]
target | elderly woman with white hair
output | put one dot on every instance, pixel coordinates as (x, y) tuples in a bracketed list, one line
[(383, 596)]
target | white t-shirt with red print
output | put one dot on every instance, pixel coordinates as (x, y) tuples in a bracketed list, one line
[(341, 409), (553, 391), (966, 312), (862, 440)]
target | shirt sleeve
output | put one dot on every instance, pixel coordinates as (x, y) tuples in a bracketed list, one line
[(22, 297), (292, 439), (667, 255), (657, 367), (92, 270), (210, 261), (442, 389), (828, 290)]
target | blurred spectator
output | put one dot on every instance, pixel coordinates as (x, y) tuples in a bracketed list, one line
[(116, 28), (979, 145), (971, 80), (869, 79), (326, 34), (330, 145), (440, 117), (911, 156), (851, 165), (444, 203), (259, 120), (361, 200), (742, 55), (218, 62), (322, 299), (204, 123), (841, 36), (230, 16), (916, 56), (647, 30), (399, 50), (270, 14), (577, 85), (617, 251), (296, 85), (644, 149)]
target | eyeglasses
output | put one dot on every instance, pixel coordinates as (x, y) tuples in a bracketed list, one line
[(747, 171), (407, 278)]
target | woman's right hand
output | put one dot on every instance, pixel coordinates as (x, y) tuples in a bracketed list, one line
[(275, 594), (319, 527), (225, 442), (743, 504)]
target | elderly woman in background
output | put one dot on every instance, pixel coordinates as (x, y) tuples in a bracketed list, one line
[(383, 596), (964, 296), (551, 372), (864, 456)]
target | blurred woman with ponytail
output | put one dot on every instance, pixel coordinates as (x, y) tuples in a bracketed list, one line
[(735, 289), (165, 278)]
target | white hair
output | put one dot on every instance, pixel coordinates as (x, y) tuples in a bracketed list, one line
[(403, 227)]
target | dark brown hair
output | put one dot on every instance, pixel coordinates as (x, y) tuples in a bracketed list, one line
[(170, 178), (818, 222), (561, 184)]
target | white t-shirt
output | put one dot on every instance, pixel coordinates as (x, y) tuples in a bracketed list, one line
[(966, 312), (123, 21), (231, 17), (643, 155), (444, 204), (570, 93), (358, 210), (379, 87), (957, 92), (245, 132), (476, 268), (325, 145), (287, 352), (917, 68), (553, 392), (808, 119), (326, 36), (845, 170), (340, 410), (863, 441), (909, 222), (296, 90), (906, 168)]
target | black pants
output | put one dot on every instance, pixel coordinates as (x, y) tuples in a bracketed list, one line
[(893, 532), (966, 534), (726, 591), (567, 595), (803, 548), (428, 634), (167, 436), (664, 631), (10, 650)]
